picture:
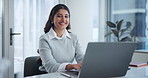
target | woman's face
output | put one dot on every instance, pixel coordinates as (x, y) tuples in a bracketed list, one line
[(61, 19)]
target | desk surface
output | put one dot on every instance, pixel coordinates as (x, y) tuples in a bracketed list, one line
[(134, 72)]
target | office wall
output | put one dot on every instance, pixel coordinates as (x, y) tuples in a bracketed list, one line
[(81, 19)]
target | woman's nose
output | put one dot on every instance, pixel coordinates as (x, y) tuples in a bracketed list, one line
[(63, 18)]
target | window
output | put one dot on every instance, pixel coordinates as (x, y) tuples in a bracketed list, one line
[(30, 17), (133, 11)]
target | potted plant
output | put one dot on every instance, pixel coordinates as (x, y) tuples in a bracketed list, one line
[(121, 30)]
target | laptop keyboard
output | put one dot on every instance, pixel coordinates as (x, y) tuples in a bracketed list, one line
[(70, 74)]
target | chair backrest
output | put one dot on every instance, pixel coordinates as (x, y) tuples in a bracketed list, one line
[(31, 66)]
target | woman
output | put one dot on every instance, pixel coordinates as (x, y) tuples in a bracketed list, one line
[(58, 47)]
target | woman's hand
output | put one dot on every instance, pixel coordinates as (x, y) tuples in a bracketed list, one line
[(74, 66)]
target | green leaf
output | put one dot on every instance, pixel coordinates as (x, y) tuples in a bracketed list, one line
[(119, 25), (124, 29), (110, 24), (115, 32), (117, 22), (120, 32), (126, 39)]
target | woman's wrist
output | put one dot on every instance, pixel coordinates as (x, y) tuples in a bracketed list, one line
[(69, 67)]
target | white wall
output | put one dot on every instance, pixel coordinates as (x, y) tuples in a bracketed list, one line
[(102, 4), (81, 19)]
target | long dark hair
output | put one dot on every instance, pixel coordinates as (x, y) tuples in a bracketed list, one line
[(54, 10)]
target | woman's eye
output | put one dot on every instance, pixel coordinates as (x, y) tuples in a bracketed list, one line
[(66, 16), (59, 16)]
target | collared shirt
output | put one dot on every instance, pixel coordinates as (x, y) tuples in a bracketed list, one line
[(57, 52), (52, 34)]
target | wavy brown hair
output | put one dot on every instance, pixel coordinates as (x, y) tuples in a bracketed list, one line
[(55, 9)]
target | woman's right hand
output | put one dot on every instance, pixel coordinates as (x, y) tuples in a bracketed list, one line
[(74, 66)]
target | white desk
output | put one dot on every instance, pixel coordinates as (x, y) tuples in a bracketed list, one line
[(140, 72)]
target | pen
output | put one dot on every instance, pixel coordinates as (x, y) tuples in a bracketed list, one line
[(64, 74)]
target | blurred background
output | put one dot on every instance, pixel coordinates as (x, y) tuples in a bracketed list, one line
[(22, 23)]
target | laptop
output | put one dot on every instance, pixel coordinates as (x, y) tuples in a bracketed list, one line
[(106, 59)]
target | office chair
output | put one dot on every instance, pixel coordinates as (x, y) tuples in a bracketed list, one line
[(31, 66)]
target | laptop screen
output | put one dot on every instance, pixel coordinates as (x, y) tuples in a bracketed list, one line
[(107, 59)]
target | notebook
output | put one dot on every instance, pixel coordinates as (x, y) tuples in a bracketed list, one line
[(106, 59)]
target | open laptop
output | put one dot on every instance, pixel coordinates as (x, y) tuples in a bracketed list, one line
[(106, 59)]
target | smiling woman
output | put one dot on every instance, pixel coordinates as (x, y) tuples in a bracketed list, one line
[(58, 47), (61, 21)]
